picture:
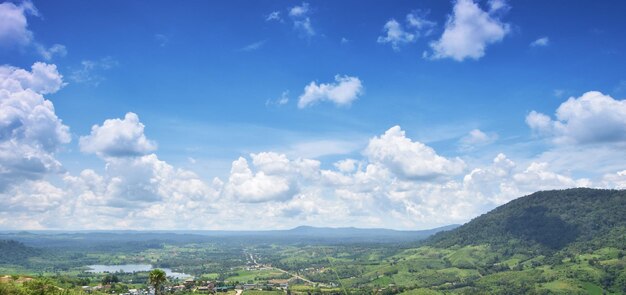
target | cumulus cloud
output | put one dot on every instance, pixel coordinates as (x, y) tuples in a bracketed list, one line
[(118, 138), (591, 118), (410, 159), (30, 131), (14, 25), (346, 166), (14, 30), (541, 42), (34, 196), (276, 177), (343, 92), (395, 35), (615, 180), (42, 78), (141, 192), (246, 186), (469, 30), (538, 177), (272, 189)]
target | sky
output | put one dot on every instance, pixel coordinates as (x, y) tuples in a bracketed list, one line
[(246, 115)]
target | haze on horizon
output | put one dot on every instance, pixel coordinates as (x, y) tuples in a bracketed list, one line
[(237, 115)]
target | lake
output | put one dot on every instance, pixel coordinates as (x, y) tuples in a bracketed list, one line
[(130, 268)]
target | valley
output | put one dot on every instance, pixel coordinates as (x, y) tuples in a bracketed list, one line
[(533, 245)]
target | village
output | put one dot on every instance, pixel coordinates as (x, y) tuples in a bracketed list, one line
[(279, 282)]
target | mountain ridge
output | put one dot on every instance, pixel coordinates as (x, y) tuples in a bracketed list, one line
[(547, 221)]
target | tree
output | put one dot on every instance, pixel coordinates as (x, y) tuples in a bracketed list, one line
[(156, 278)]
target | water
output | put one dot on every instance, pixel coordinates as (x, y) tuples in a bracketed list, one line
[(130, 268)]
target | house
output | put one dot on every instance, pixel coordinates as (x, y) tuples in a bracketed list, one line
[(250, 286), (189, 283)]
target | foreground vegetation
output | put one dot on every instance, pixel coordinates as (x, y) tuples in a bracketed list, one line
[(557, 242)]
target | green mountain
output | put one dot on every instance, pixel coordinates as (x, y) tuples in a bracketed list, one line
[(16, 253), (551, 242), (545, 222)]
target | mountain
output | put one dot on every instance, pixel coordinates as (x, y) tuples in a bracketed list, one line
[(129, 240), (330, 234), (545, 222), (353, 232), (16, 253)]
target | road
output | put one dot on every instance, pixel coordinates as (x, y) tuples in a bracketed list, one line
[(284, 271), (296, 276)]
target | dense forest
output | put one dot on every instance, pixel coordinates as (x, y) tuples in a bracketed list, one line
[(13, 252), (547, 221)]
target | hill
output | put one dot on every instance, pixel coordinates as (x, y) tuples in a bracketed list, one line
[(545, 222), (136, 240), (16, 253)]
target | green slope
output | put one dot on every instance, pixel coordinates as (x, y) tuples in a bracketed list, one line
[(545, 222)]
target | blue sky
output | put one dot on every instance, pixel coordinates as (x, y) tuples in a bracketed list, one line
[(285, 112)]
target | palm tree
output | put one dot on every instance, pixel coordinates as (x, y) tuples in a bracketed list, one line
[(157, 278)]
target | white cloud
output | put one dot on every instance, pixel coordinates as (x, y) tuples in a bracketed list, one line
[(253, 46), (277, 178), (396, 35), (30, 131), (299, 15), (14, 32), (34, 196), (282, 100), (410, 159), (343, 92), (274, 15), (558, 92), (54, 50), (592, 118), (304, 27), (346, 166), (161, 39), (476, 138), (90, 71), (14, 25), (272, 190), (324, 147), (538, 177), (615, 180), (417, 20), (139, 192), (43, 78), (300, 19), (299, 11), (469, 30), (118, 138), (541, 42), (246, 186)]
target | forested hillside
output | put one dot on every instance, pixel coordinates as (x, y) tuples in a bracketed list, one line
[(13, 252), (547, 221)]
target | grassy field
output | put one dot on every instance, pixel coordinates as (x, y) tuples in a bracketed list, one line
[(254, 275), (257, 292)]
